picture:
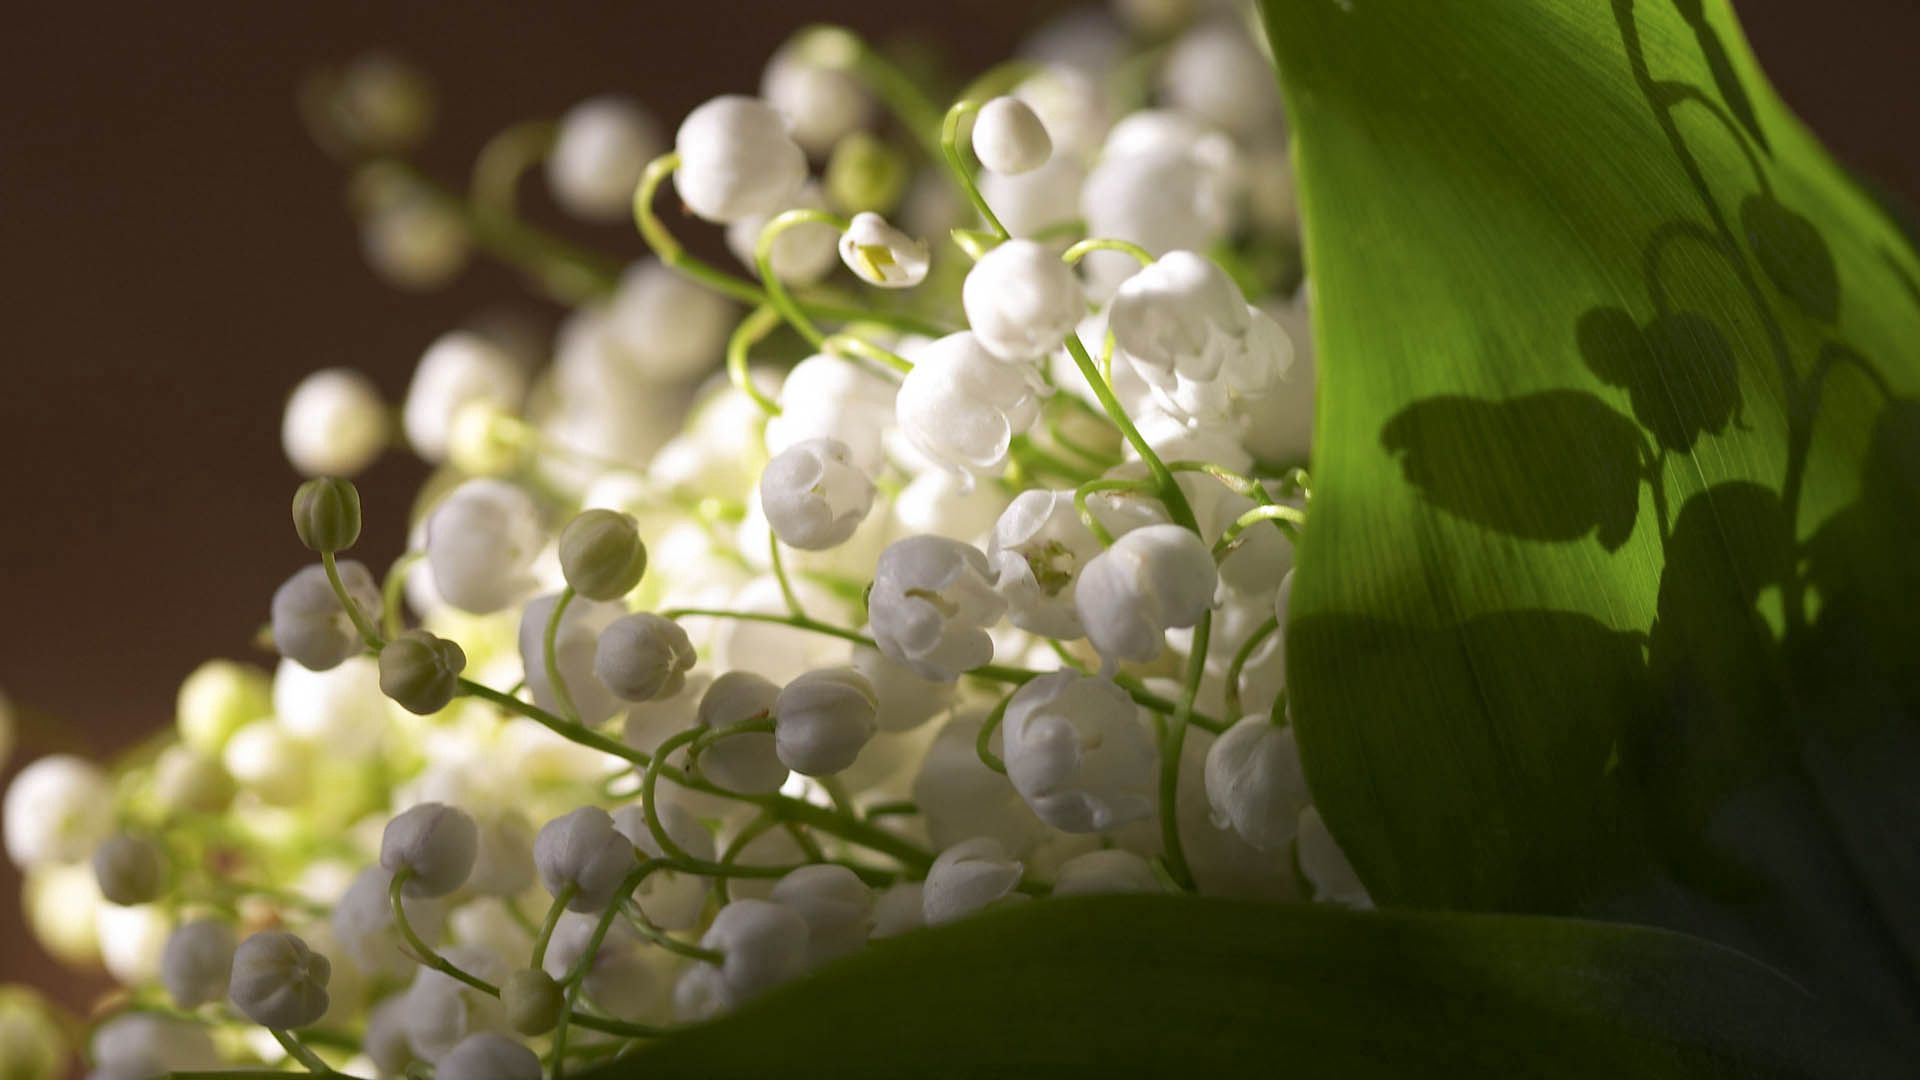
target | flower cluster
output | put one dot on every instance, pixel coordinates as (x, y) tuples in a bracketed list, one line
[(689, 683)]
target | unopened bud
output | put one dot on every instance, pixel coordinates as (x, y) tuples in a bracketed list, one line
[(601, 554), (421, 671), (865, 175), (130, 869), (326, 513), (532, 1001)]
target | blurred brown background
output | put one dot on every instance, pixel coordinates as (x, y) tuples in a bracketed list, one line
[(175, 254)]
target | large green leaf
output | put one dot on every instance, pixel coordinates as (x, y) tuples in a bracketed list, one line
[(1611, 602), (1159, 985)]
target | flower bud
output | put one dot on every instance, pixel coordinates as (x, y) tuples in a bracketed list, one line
[(641, 657), (414, 242), (483, 440), (837, 907), (310, 627), (488, 1055), (961, 406), (736, 159), (584, 850), (436, 842), (1103, 872), (1255, 784), (326, 513), (931, 606), (882, 255), (966, 878), (601, 554), (481, 543), (57, 810), (822, 719), (532, 1000), (1152, 579), (1078, 753), (335, 423), (599, 152), (763, 944), (130, 869), (1216, 72), (459, 368), (1022, 301), (748, 761), (813, 495), (216, 699), (421, 671), (865, 175), (805, 82), (197, 962), (186, 781), (32, 1044), (278, 982), (1009, 138)]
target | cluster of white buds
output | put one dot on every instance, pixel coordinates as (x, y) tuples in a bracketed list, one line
[(980, 602)]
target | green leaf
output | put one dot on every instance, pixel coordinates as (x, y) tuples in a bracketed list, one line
[(1146, 985), (1610, 605)]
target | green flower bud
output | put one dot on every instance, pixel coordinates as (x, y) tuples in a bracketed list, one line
[(532, 1001), (216, 699), (32, 1043), (326, 513), (421, 671), (601, 554), (130, 869), (187, 781), (865, 175)]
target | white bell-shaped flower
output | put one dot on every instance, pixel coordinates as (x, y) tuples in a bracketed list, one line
[(1009, 138), (1163, 181), (820, 103), (576, 646), (1078, 752), (1255, 783), (197, 961), (1151, 580), (837, 907), (488, 1055), (1041, 199), (961, 406), (278, 982), (57, 810), (813, 496), (966, 878), (822, 720), (670, 898), (1325, 865), (659, 327), (736, 159), (335, 424), (1104, 872), (1216, 72), (882, 255), (460, 368), (1189, 332), (602, 146), (1037, 549), (442, 1010), (931, 605), (481, 542), (802, 254), (643, 656), (364, 927), (747, 761), (310, 627), (582, 849), (436, 843), (1022, 301), (763, 944), (830, 397)]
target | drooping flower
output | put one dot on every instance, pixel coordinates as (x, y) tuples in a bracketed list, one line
[(1078, 752), (736, 159), (931, 605)]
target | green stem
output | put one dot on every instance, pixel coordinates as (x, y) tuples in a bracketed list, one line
[(549, 656), (780, 576), (957, 164), (983, 742), (393, 590), (554, 910), (367, 633), (751, 331), (776, 289), (1088, 246), (1285, 518), (1087, 517), (1239, 663), (300, 1053), (1168, 490), (505, 158), (1170, 755)]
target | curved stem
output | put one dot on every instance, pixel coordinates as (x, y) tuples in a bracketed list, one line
[(1087, 517), (1285, 518), (750, 332), (505, 158), (982, 743), (299, 1052), (360, 622), (957, 164), (547, 925), (423, 952), (1086, 247), (780, 576), (1167, 488), (1170, 754), (1239, 664), (549, 656)]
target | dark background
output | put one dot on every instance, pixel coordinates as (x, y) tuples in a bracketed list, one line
[(175, 254)]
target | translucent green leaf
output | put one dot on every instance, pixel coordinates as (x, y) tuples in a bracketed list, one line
[(1171, 986), (1611, 601)]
